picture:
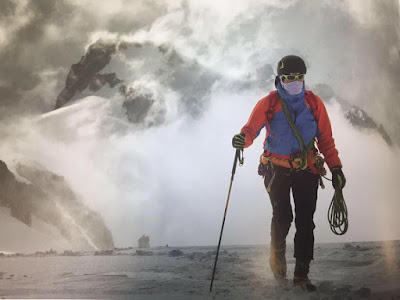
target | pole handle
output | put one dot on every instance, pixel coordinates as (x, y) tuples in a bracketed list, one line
[(238, 157)]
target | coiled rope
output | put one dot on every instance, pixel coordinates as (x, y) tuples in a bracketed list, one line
[(337, 214)]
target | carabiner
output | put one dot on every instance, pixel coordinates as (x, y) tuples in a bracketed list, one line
[(241, 158)]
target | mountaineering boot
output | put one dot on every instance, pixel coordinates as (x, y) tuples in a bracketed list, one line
[(301, 276), (280, 278), (304, 283), (278, 266)]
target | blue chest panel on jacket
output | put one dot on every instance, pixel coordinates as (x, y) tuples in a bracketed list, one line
[(281, 139)]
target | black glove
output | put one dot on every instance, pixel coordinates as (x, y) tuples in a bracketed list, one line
[(338, 179), (238, 141)]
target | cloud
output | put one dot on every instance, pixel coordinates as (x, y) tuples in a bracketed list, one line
[(170, 181), (48, 36)]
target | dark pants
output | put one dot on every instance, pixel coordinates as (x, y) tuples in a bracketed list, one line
[(304, 186)]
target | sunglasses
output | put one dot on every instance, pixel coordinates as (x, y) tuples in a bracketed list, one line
[(293, 77)]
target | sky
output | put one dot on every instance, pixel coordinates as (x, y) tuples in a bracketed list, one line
[(170, 180)]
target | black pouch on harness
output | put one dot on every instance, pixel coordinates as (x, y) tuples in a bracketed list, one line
[(261, 169), (267, 172), (264, 169)]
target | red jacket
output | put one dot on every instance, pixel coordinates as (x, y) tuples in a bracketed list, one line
[(261, 115)]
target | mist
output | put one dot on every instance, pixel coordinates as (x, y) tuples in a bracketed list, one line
[(170, 179)]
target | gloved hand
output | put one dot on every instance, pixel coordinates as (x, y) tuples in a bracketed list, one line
[(338, 179), (239, 141)]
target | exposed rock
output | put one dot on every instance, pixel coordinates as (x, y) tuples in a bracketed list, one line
[(175, 253), (16, 255), (51, 252), (385, 135), (184, 77), (167, 67), (144, 242), (99, 80), (144, 253), (137, 106), (104, 252), (354, 114), (84, 73), (122, 249), (18, 196), (66, 205), (70, 253), (358, 117), (49, 198)]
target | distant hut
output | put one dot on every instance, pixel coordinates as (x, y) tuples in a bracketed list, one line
[(144, 242)]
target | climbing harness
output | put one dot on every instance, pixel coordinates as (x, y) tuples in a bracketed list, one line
[(308, 158), (295, 162)]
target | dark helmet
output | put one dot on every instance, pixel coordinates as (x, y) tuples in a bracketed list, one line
[(291, 64)]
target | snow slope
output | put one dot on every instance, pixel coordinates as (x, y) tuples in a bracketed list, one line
[(17, 237)]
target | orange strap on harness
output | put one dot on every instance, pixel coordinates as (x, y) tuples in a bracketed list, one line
[(314, 162), (286, 163)]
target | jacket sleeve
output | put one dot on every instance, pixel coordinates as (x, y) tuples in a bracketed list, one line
[(326, 143), (256, 121)]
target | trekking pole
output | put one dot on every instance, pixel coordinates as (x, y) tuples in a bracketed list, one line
[(241, 159)]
